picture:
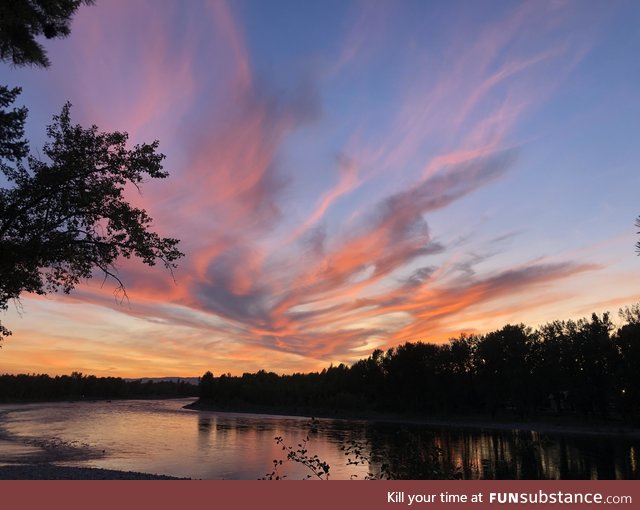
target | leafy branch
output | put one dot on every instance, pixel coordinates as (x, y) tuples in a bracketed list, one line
[(318, 468)]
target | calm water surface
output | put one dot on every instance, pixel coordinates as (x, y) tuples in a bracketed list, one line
[(159, 436)]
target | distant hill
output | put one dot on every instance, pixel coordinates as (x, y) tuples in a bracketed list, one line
[(189, 380)]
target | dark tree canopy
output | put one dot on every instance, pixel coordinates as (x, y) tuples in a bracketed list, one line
[(12, 145), (21, 21), (584, 369), (638, 243), (64, 216)]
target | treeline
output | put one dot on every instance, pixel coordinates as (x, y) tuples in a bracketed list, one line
[(585, 368), (41, 387)]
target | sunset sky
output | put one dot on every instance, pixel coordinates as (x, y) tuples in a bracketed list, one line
[(346, 176)]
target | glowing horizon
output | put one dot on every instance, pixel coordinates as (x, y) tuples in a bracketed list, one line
[(345, 177)]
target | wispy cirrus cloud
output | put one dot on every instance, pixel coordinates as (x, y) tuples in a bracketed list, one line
[(348, 260), (233, 190)]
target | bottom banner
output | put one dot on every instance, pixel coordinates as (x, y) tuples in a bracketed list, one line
[(388, 495)]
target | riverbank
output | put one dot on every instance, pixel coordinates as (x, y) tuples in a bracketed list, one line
[(37, 459), (549, 425), (54, 472), (19, 461)]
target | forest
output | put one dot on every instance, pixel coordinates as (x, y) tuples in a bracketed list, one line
[(41, 387), (587, 369)]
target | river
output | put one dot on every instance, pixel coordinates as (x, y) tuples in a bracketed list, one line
[(161, 437)]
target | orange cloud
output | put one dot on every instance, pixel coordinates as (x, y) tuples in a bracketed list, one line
[(242, 297)]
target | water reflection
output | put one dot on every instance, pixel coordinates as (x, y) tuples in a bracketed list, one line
[(475, 454), (162, 437), (204, 424)]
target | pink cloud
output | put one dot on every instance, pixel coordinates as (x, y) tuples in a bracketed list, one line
[(317, 295)]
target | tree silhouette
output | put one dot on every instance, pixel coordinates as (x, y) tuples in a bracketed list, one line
[(627, 341), (12, 146), (505, 364), (206, 386), (63, 217), (638, 243), (24, 20), (580, 369)]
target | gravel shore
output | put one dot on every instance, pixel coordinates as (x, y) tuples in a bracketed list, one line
[(53, 472), (36, 459)]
